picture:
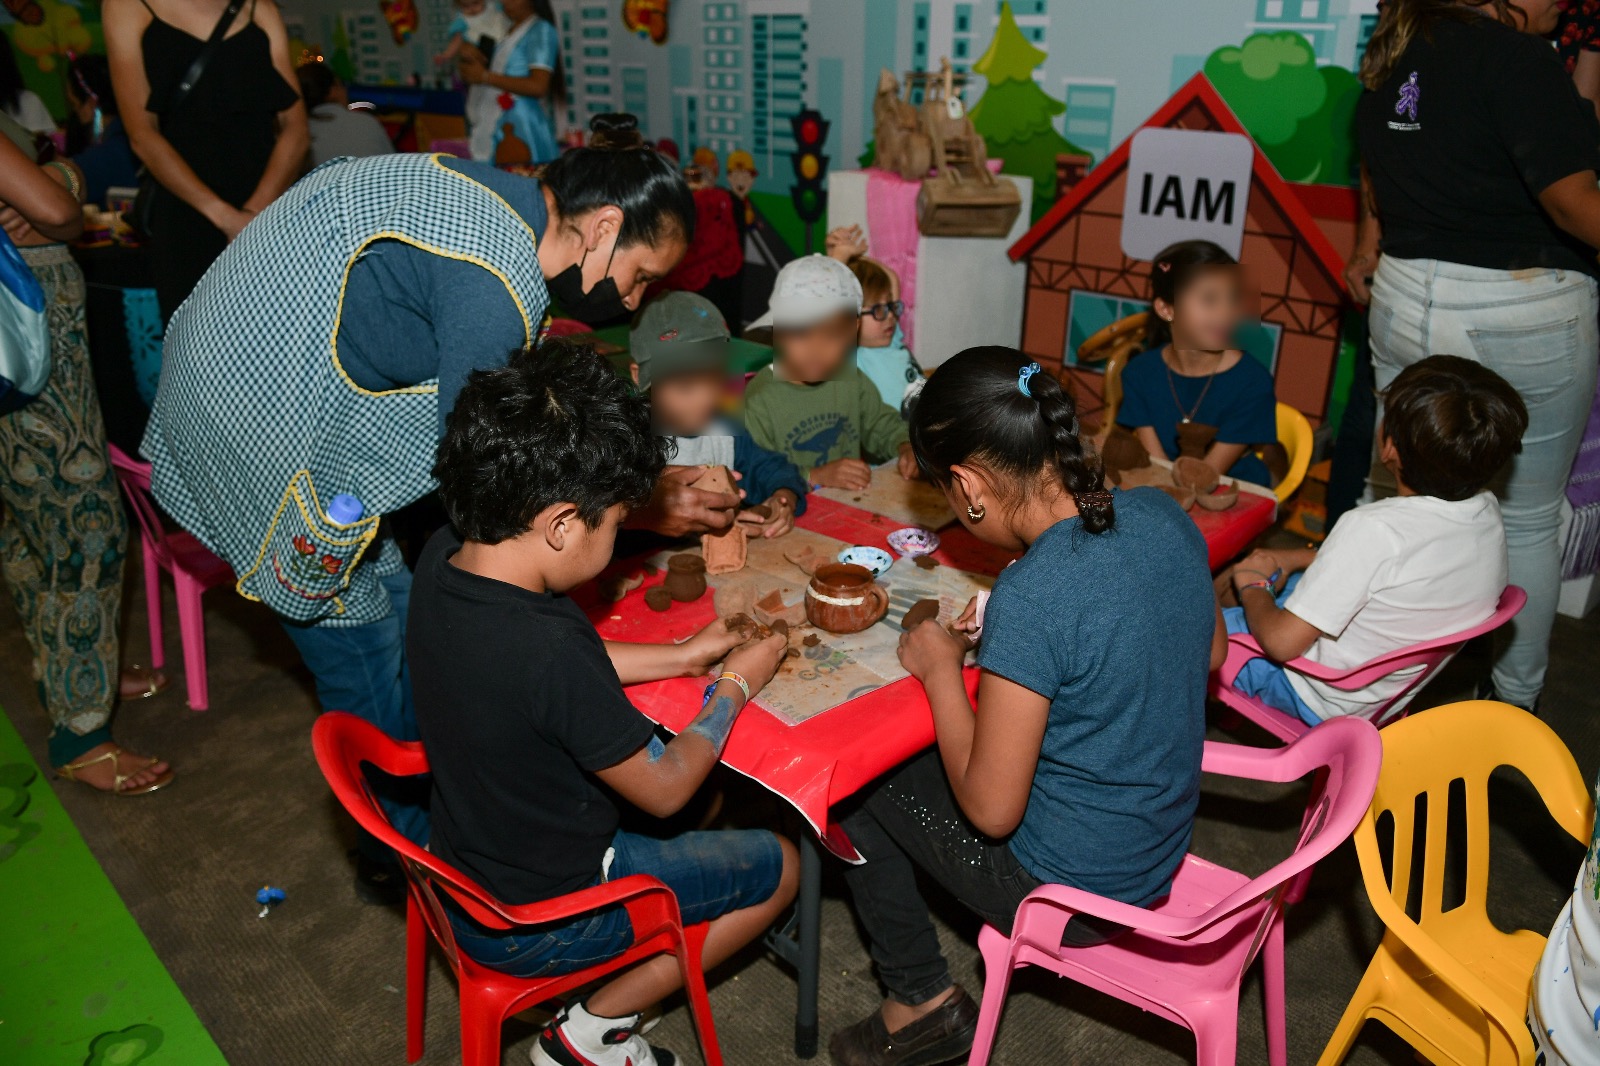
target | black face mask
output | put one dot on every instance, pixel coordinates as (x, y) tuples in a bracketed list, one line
[(600, 304)]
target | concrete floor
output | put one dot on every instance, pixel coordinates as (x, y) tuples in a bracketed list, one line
[(319, 980)]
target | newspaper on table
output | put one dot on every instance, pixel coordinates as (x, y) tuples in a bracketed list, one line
[(838, 667)]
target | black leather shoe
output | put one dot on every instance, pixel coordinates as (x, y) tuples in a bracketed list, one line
[(382, 884), (945, 1034)]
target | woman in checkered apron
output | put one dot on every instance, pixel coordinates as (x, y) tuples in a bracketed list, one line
[(321, 354)]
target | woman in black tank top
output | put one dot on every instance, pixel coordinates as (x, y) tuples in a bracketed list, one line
[(225, 150)]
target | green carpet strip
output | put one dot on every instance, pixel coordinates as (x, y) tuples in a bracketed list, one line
[(79, 983)]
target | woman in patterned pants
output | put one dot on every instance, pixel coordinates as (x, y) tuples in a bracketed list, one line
[(63, 537)]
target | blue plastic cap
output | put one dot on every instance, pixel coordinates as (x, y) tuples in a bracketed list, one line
[(345, 509)]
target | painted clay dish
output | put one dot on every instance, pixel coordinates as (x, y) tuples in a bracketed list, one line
[(843, 598), (875, 559), (913, 541), (1194, 475), (1224, 498)]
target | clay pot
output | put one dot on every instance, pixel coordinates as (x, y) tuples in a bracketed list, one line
[(1195, 475), (843, 598), (686, 577), (1221, 500)]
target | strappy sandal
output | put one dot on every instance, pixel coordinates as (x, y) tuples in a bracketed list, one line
[(71, 771), (155, 682)]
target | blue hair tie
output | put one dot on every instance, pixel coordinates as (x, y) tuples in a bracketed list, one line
[(1022, 379)]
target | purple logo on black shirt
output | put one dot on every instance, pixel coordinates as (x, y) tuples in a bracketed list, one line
[(1410, 96)]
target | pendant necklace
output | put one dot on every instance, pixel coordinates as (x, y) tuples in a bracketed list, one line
[(1172, 383)]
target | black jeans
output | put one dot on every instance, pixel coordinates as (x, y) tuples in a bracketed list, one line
[(911, 819)]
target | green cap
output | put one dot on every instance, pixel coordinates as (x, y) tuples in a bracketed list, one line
[(678, 333)]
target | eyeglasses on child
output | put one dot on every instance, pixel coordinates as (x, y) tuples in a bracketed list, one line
[(882, 311)]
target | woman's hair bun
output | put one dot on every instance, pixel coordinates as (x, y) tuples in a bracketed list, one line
[(615, 131)]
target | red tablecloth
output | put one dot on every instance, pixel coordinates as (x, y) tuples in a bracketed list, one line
[(835, 754)]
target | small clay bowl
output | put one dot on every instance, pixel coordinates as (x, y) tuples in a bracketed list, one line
[(1194, 475), (1224, 498), (875, 559), (1184, 496)]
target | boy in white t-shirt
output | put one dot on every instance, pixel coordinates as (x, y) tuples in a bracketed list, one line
[(1418, 566)]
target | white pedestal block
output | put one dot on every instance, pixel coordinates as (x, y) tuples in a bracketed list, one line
[(968, 291)]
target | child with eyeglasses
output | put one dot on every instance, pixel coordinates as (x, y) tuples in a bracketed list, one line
[(881, 353)]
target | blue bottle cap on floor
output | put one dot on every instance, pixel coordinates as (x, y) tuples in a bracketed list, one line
[(344, 509)]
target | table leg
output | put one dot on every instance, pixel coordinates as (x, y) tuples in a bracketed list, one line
[(799, 943), (810, 960)]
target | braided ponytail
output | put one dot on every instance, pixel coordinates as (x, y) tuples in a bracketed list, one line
[(1081, 472), (984, 405)]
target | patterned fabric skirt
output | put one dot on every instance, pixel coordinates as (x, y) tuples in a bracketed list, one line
[(64, 536)]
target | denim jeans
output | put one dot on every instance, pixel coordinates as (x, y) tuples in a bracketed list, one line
[(911, 819), (362, 670), (1264, 679), (710, 873), (1537, 329)]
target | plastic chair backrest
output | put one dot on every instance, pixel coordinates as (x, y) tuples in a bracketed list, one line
[(1423, 756), (1344, 754), (342, 743), (1294, 433), (134, 478)]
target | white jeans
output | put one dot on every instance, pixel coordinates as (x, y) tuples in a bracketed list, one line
[(1540, 330)]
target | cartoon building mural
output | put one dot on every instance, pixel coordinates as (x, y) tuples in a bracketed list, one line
[(1080, 280)]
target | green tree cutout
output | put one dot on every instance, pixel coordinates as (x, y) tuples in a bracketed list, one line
[(1301, 115), (1016, 118)]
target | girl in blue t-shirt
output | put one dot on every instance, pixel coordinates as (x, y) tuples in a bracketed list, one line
[(1081, 764), (1192, 385)]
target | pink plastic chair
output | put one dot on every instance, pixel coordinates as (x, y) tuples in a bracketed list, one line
[(1430, 655), (192, 566), (1185, 958)]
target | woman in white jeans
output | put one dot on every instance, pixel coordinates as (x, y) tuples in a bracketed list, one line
[(1480, 163)]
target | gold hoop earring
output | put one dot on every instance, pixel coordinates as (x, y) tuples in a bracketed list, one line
[(976, 514)]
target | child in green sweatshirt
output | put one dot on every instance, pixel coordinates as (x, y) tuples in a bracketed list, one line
[(813, 404)]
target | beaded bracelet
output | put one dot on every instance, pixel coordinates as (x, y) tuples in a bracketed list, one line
[(74, 186), (726, 675)]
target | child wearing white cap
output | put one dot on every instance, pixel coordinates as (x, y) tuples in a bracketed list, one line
[(813, 404)]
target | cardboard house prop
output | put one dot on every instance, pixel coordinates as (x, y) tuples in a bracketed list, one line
[(1088, 257)]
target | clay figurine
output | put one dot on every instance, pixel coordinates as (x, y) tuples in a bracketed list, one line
[(725, 551), (686, 577), (1122, 452), (657, 598), (919, 613), (843, 598), (1194, 439)]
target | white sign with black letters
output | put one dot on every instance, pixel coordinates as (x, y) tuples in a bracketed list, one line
[(1185, 185)]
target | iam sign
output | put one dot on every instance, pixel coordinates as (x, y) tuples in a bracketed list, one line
[(1185, 185)]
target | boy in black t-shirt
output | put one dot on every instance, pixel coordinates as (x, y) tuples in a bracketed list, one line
[(521, 707)]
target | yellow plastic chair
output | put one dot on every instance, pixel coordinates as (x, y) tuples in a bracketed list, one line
[(1449, 982), (1294, 433)]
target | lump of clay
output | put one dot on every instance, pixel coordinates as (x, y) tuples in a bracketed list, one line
[(686, 577), (1194, 439), (657, 598), (1122, 452), (1194, 475), (725, 552), (920, 612), (925, 562)]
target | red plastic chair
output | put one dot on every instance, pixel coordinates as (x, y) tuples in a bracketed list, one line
[(1430, 655), (343, 743), (1185, 958), (192, 566)]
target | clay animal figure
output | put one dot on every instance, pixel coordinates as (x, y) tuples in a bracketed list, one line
[(725, 552)]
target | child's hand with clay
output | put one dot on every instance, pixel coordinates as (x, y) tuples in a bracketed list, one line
[(779, 518), (930, 648)]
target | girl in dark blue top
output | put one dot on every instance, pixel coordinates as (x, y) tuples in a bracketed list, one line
[(1081, 763), (1192, 384)]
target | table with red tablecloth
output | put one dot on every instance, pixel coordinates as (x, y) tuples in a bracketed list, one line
[(829, 757)]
